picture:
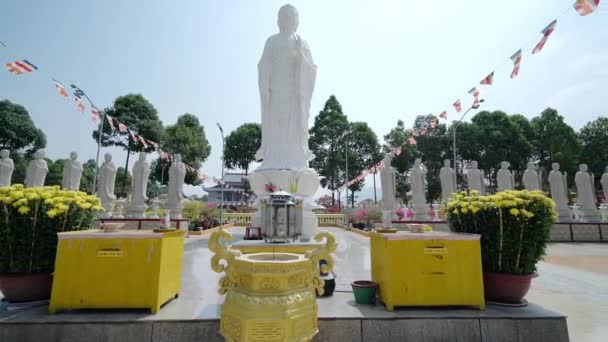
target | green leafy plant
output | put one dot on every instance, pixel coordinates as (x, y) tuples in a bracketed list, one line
[(514, 227), (192, 210), (30, 220)]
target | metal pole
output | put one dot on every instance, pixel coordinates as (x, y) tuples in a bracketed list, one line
[(454, 137), (346, 156), (78, 93), (222, 182)]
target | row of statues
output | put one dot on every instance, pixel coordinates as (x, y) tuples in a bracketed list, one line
[(37, 170), (505, 180)]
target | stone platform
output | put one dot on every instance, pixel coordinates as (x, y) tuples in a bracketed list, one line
[(194, 316)]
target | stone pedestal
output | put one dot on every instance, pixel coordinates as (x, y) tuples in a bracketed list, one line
[(302, 183), (387, 218), (137, 211), (421, 211)]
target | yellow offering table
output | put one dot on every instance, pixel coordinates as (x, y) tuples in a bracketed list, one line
[(124, 269), (427, 269)]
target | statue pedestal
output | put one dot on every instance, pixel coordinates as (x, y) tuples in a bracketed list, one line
[(302, 183), (421, 211), (387, 218), (137, 211)]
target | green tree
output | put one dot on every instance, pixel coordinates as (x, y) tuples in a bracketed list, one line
[(55, 174), (363, 152), (186, 137), (398, 137), (594, 139), (122, 177), (432, 147), (17, 130), (326, 144), (554, 140), (86, 181), (241, 146), (138, 115)]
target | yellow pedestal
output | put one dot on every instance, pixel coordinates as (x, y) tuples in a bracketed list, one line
[(125, 269), (269, 296), (427, 269)]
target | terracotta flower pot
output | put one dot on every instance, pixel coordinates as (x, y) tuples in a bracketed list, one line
[(26, 287), (505, 287)]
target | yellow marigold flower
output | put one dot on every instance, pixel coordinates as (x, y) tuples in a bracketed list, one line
[(17, 194), (514, 211), (8, 200), (97, 208), (33, 196), (46, 195), (23, 210), (17, 186), (428, 228), (83, 205), (455, 211), (464, 210), (474, 209), (48, 201), (52, 213), (61, 207), (527, 214)]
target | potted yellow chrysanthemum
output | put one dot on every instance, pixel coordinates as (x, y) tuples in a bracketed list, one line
[(30, 219), (514, 228)]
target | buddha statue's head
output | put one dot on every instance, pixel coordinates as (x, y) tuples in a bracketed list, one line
[(288, 19), (555, 166), (4, 153), (73, 155)]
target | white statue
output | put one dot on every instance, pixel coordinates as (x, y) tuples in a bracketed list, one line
[(447, 177), (286, 78), (177, 174), (504, 177), (604, 183), (139, 174), (6, 168), (36, 171), (584, 192), (559, 188), (388, 183), (475, 178), (107, 180), (417, 185), (72, 172), (530, 178)]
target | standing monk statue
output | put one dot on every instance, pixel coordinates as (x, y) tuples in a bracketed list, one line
[(6, 168), (72, 172), (36, 171), (286, 78)]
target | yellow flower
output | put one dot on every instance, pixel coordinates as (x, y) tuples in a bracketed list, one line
[(52, 213), (97, 208), (464, 210), (23, 210), (20, 202), (455, 211), (8, 200), (17, 194), (428, 228), (514, 211), (527, 213), (48, 201), (474, 209), (83, 205)]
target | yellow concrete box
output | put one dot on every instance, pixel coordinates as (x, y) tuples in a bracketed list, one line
[(427, 269), (125, 269)]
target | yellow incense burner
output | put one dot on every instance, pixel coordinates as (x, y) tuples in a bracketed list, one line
[(269, 296)]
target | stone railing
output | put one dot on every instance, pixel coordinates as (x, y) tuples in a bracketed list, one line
[(244, 219), (330, 219), (238, 219)]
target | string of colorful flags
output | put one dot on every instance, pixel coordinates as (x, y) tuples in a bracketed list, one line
[(582, 7), (24, 66)]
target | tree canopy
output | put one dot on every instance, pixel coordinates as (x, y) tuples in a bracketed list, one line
[(17, 130), (594, 141), (241, 146)]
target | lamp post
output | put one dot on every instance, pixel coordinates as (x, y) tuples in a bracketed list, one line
[(345, 135), (475, 105), (222, 182)]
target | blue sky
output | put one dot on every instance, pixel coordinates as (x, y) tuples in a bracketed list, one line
[(384, 60)]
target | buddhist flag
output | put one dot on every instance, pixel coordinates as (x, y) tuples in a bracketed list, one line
[(122, 127), (458, 106), (415, 133), (585, 7), (444, 115), (154, 144), (133, 136), (516, 58), (397, 151), (411, 141), (164, 155), (111, 122), (546, 33), (475, 93), (61, 89), (433, 123), (79, 104), (143, 141), (94, 114), (488, 80), (21, 67)]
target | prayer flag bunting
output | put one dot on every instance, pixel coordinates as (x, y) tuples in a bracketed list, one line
[(444, 115), (122, 127), (143, 141), (111, 122), (79, 104), (61, 89), (516, 58), (546, 33), (585, 7), (133, 136), (397, 151), (164, 155), (412, 141), (94, 113), (488, 80), (20, 67), (474, 92), (433, 123), (458, 106), (415, 133)]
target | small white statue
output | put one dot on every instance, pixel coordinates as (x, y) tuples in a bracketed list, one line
[(177, 174), (559, 188), (139, 174), (530, 178), (504, 178), (388, 183), (475, 178), (36, 171), (286, 80), (604, 182), (584, 192), (107, 180), (6, 168), (447, 177), (417, 185), (72, 172)]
